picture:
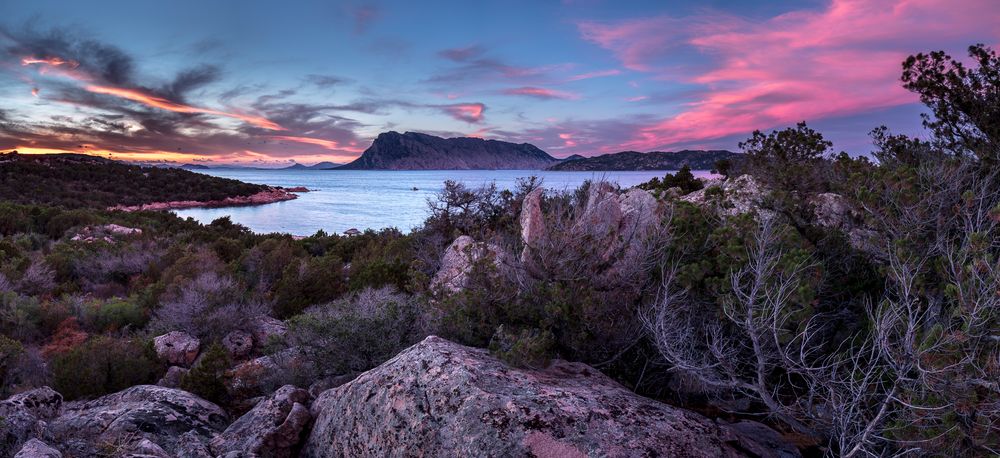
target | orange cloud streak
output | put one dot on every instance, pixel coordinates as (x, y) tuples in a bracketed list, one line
[(164, 104), (55, 61)]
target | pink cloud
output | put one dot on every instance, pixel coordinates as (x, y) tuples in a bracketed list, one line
[(468, 112), (812, 64), (541, 93), (597, 74)]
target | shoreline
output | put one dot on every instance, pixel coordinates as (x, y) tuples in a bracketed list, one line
[(268, 196)]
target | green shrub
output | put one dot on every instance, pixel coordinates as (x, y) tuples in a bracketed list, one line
[(207, 377), (114, 314), (683, 179), (530, 348), (104, 365), (357, 333), (307, 282)]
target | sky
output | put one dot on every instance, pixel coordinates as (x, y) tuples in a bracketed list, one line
[(269, 83)]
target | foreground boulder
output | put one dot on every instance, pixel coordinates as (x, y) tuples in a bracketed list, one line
[(272, 428), (23, 417), (157, 414), (438, 398), (177, 347)]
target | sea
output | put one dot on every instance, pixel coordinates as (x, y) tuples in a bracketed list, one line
[(375, 199)]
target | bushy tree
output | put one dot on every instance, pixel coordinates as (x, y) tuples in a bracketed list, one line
[(104, 365), (207, 377), (964, 101)]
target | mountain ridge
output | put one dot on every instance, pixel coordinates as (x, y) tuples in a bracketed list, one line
[(653, 160), (417, 151)]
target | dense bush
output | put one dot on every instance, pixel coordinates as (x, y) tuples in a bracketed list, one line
[(357, 333), (104, 365), (207, 377)]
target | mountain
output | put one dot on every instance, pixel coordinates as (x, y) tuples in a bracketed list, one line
[(656, 160), (416, 151), (325, 165)]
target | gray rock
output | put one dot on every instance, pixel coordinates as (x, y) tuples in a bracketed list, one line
[(532, 219), (239, 344), (738, 196), (160, 415), (172, 379), (761, 440), (24, 417), (177, 347), (326, 383), (147, 449), (458, 260), (438, 398), (35, 448), (192, 445), (265, 328), (271, 429)]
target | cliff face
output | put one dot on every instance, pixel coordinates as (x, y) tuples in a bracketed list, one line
[(416, 151), (656, 160)]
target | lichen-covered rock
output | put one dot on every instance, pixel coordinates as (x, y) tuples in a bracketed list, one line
[(532, 218), (458, 260), (177, 347), (160, 415), (239, 344), (271, 429), (35, 448), (23, 417), (265, 328), (192, 445), (172, 379), (731, 197), (256, 377), (438, 398)]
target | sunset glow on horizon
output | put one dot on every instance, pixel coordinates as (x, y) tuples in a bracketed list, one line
[(267, 85)]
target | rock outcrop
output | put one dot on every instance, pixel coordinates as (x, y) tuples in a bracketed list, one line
[(271, 429), (24, 416), (731, 197), (157, 414), (35, 448), (172, 379), (438, 398), (265, 328), (458, 260), (416, 151), (613, 228), (238, 344), (177, 347)]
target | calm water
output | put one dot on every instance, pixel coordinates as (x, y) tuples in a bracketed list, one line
[(342, 199)]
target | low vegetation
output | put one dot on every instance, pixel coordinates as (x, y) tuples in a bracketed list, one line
[(72, 181)]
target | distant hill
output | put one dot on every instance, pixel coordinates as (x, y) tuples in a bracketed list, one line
[(416, 151), (326, 165), (656, 160), (77, 180), (194, 167)]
